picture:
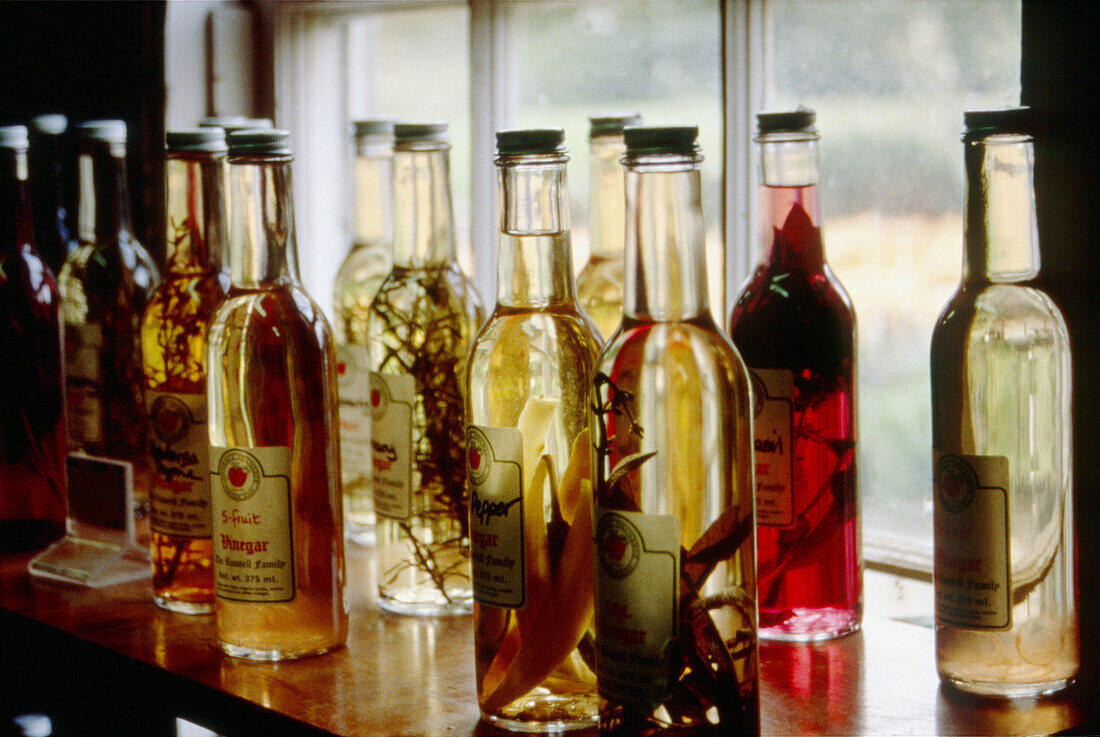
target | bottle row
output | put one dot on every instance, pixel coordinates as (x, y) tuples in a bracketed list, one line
[(624, 517)]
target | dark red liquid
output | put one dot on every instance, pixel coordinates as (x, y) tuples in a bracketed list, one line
[(794, 315)]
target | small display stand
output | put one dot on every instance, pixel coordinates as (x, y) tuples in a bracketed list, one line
[(100, 547)]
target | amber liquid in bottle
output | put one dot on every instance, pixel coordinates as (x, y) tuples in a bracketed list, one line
[(794, 325), (673, 522), (32, 414), (275, 466), (529, 459), (105, 285), (174, 360)]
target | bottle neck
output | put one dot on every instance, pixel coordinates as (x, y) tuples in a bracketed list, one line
[(196, 215), (104, 207), (605, 196), (535, 266), (16, 228), (423, 220), (789, 207), (47, 183), (373, 192), (1002, 243), (664, 260), (263, 251)]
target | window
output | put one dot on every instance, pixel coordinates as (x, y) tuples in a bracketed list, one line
[(889, 80)]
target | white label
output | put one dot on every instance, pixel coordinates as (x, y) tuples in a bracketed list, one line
[(353, 387), (83, 383), (391, 402), (972, 564), (179, 449), (773, 392), (494, 466), (253, 536), (637, 604)]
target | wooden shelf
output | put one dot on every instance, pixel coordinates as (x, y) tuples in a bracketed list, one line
[(110, 656)]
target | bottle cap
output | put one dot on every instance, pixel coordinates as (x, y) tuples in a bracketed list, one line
[(49, 125), (412, 132), (373, 127), (980, 123), (205, 140), (787, 121), (263, 141), (611, 125), (14, 137), (680, 139), (531, 141), (111, 131), (231, 123)]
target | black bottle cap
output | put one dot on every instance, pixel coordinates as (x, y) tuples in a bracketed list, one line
[(262, 141), (531, 141), (682, 139), (418, 132), (611, 125), (981, 123), (787, 121)]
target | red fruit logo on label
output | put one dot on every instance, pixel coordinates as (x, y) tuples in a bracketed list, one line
[(375, 397), (475, 459), (614, 546), (240, 474), (620, 545), (170, 419), (341, 368), (237, 476)]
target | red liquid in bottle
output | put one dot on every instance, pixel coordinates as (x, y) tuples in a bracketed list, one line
[(793, 319)]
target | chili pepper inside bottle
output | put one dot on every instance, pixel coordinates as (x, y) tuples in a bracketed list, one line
[(279, 576), (676, 649), (32, 403), (795, 327), (174, 332), (529, 457), (421, 325), (1006, 613)]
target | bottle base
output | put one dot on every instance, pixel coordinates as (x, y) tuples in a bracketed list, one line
[(416, 602), (1006, 690), (809, 625), (547, 713), (181, 606), (252, 653)]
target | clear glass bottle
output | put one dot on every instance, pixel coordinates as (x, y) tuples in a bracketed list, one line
[(600, 282), (32, 403), (421, 326), (1006, 617), (279, 575), (105, 284), (362, 272), (528, 456), (795, 327), (47, 157), (676, 646), (173, 347)]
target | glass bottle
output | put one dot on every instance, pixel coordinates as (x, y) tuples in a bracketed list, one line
[(357, 281), (421, 325), (1006, 617), (528, 457), (600, 283), (174, 362), (279, 577), (32, 407), (46, 159), (105, 284), (676, 647), (795, 327)]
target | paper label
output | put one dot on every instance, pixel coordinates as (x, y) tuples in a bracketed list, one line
[(253, 532), (391, 402), (353, 387), (972, 559), (84, 383), (494, 466), (773, 393), (637, 604), (179, 449)]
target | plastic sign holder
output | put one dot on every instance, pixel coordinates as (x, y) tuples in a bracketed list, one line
[(100, 547)]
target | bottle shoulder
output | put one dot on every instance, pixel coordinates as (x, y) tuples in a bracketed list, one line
[(365, 262), (563, 327), (979, 312), (690, 345)]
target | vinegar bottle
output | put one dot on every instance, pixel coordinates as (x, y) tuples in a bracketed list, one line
[(676, 647), (32, 404), (795, 327), (600, 283), (173, 341), (366, 265), (1006, 617), (421, 325), (47, 157), (528, 457), (279, 575), (105, 284)]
